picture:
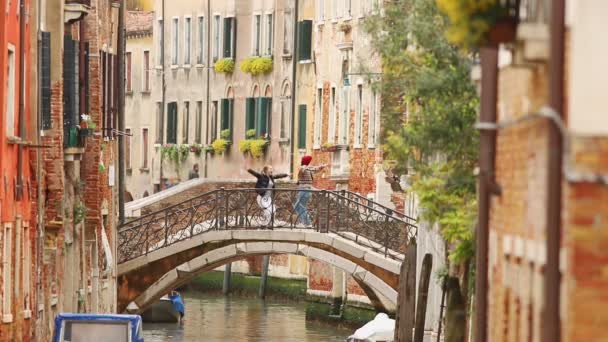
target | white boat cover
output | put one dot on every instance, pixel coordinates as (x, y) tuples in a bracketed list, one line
[(381, 328)]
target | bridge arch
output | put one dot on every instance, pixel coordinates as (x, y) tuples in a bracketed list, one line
[(144, 279)]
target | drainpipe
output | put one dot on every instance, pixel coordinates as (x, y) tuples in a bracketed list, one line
[(164, 85), (22, 18), (551, 314), (293, 87), (487, 143), (39, 200), (208, 82), (121, 112)]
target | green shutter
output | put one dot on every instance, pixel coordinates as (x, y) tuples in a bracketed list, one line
[(233, 54), (302, 126), (249, 114), (231, 117), (225, 118), (304, 40), (227, 37), (262, 116), (172, 123)]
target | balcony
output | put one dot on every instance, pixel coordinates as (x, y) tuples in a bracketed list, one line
[(75, 10)]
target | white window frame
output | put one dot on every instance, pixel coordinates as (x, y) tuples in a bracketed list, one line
[(26, 274), (334, 10), (256, 34), (344, 116), (174, 41), (318, 116), (200, 42), (331, 127), (268, 33), (144, 148), (7, 273), (187, 41), (288, 26), (320, 12), (129, 72), (145, 73), (358, 136), (11, 81), (217, 36), (372, 135)]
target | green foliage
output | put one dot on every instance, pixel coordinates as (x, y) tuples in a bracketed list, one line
[(250, 134), (175, 153), (224, 65), (225, 134), (429, 109), (80, 212), (257, 65), (220, 145), (102, 168), (196, 149), (470, 21)]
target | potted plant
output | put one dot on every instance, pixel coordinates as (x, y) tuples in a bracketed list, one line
[(224, 65), (196, 149), (257, 65), (329, 147), (87, 126), (344, 27), (222, 144), (481, 22)]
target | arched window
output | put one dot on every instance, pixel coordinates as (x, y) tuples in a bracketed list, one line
[(285, 110), (227, 115)]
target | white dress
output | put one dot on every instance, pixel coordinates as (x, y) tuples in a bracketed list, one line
[(265, 203)]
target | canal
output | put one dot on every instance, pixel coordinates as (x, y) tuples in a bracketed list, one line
[(218, 318)]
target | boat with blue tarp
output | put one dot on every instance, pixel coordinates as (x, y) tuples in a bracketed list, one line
[(75, 327)]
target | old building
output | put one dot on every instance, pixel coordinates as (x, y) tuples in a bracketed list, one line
[(140, 123), (17, 193)]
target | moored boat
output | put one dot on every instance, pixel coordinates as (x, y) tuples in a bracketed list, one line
[(169, 309)]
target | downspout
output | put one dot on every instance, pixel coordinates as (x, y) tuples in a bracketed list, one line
[(551, 314), (22, 19), (487, 146), (293, 87), (163, 86), (208, 82), (121, 112), (39, 200)]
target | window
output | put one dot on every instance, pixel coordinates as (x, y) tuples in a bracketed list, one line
[(269, 34), (128, 149), (304, 39), (10, 94), (199, 122), (201, 41), (229, 37), (285, 113), (344, 117), (7, 265), (45, 80), (146, 72), (348, 8), (362, 8), (186, 123), (212, 134), (27, 260), (128, 72), (318, 114), (160, 120), (216, 37), (257, 34), (287, 31), (175, 42), (320, 11), (160, 43), (375, 5), (331, 134), (257, 115), (172, 123), (373, 117), (359, 117), (334, 9), (144, 146), (187, 40), (227, 116), (302, 126)]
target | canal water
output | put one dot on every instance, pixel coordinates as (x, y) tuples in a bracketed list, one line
[(213, 318)]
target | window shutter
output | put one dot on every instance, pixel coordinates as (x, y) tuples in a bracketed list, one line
[(231, 117), (172, 123), (68, 90), (304, 40), (227, 37), (45, 80), (225, 123), (302, 126), (249, 114), (262, 117), (233, 54)]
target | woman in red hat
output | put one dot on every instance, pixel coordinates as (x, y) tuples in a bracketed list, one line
[(305, 179)]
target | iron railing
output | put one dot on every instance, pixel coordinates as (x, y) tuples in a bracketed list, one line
[(237, 209)]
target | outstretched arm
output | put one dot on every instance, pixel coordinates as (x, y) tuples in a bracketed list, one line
[(254, 173), (280, 175), (316, 168)]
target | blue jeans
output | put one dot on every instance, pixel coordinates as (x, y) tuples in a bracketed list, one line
[(301, 207)]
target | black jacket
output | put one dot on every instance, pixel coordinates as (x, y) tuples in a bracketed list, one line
[(263, 180)]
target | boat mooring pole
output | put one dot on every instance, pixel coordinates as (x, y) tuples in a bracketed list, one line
[(264, 280), (227, 274)]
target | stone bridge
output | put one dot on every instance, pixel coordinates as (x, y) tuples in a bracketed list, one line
[(164, 249)]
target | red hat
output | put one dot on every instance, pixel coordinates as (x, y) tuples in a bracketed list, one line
[(306, 160)]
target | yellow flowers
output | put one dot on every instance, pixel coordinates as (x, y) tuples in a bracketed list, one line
[(257, 65), (225, 65), (470, 20)]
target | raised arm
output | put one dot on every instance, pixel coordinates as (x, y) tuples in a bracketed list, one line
[(254, 173), (316, 168), (280, 175)]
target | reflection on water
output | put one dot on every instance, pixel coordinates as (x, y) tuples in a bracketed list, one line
[(217, 318)]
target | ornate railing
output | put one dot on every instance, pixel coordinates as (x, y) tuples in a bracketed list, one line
[(377, 227)]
